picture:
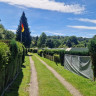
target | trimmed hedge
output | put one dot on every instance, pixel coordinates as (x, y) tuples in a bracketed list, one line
[(40, 52), (61, 53), (56, 58), (92, 50), (11, 58), (33, 50), (83, 53)]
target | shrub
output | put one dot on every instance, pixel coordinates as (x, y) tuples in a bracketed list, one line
[(62, 53), (35, 50), (4, 58), (40, 52), (4, 54), (13, 48), (11, 58), (56, 58), (83, 53), (92, 51)]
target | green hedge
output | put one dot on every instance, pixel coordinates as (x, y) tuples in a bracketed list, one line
[(92, 50), (40, 52), (11, 59), (61, 53), (83, 53), (33, 50), (56, 58), (4, 58)]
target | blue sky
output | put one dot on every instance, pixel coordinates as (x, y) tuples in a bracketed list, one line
[(54, 17)]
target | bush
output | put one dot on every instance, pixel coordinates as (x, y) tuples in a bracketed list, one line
[(62, 53), (4, 55), (56, 58), (83, 53), (11, 58), (92, 51), (40, 52), (4, 58), (35, 50)]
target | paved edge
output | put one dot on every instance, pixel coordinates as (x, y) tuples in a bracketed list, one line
[(66, 84), (33, 90)]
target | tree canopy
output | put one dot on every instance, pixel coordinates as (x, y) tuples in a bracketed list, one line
[(59, 41), (23, 37), (6, 34), (42, 40)]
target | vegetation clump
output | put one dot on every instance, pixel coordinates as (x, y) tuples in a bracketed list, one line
[(11, 58)]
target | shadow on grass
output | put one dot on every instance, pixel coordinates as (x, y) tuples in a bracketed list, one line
[(13, 89)]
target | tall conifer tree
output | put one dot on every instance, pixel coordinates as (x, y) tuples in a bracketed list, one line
[(23, 36)]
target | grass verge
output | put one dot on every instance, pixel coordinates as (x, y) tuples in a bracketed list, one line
[(48, 84), (20, 85), (85, 86)]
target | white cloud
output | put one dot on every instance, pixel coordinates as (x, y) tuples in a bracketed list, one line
[(87, 20), (84, 20), (35, 35), (82, 27), (12, 30), (55, 33), (48, 5)]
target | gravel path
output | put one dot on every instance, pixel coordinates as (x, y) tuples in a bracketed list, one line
[(66, 84), (33, 90)]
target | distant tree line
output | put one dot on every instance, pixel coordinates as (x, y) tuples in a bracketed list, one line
[(59, 41), (43, 40), (6, 34)]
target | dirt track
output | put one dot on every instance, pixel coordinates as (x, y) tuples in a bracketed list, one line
[(33, 90), (66, 84)]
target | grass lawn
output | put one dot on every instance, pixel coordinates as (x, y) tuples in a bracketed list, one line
[(48, 84), (85, 86), (20, 85)]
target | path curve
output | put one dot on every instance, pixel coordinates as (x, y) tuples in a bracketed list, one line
[(33, 90), (66, 84)]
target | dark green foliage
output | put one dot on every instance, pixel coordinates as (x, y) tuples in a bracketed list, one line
[(35, 50), (4, 58), (92, 50), (29, 49), (61, 42), (42, 40), (9, 35), (4, 53), (6, 41), (56, 58), (5, 34), (69, 44), (48, 53), (11, 58), (56, 43), (62, 53), (40, 52), (13, 48), (83, 53), (26, 38), (73, 39), (49, 43)]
